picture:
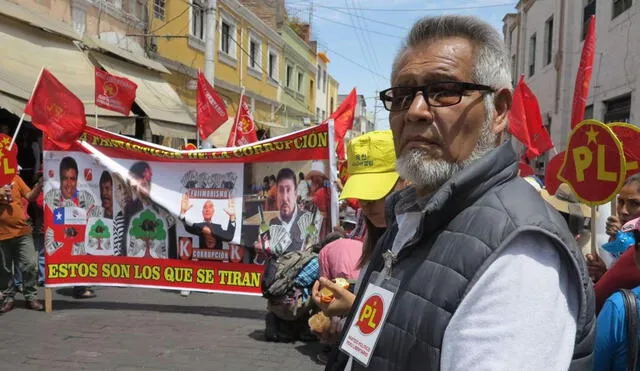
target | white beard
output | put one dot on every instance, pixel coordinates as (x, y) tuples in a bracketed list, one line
[(432, 174)]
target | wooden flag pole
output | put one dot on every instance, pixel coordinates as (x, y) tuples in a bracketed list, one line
[(594, 245), (15, 134)]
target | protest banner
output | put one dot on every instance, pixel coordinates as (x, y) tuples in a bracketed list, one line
[(123, 212)]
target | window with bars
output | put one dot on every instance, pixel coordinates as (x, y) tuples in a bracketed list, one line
[(618, 109), (197, 20), (588, 112), (300, 81), (289, 75), (587, 12), (227, 31), (619, 7), (532, 55), (273, 65), (324, 81), (159, 9), (255, 54), (548, 41)]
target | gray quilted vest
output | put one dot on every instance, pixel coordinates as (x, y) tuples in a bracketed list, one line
[(480, 210)]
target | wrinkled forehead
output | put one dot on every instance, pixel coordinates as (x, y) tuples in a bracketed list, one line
[(446, 50)]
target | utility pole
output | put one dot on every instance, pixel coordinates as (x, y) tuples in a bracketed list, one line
[(375, 110), (209, 42)]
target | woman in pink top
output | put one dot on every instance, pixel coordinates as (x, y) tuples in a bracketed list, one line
[(339, 259)]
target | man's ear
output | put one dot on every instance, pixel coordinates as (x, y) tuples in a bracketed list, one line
[(502, 105)]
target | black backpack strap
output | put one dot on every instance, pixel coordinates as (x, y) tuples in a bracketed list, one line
[(631, 312)]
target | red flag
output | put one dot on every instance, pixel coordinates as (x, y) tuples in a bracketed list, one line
[(56, 111), (243, 130), (525, 121), (583, 78), (343, 121), (525, 169), (114, 93), (212, 112)]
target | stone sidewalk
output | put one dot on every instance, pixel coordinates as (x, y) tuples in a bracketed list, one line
[(131, 329)]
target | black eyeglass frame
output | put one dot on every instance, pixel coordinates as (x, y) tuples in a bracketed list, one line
[(464, 87)]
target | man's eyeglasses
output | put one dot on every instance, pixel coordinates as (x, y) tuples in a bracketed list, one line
[(437, 94)]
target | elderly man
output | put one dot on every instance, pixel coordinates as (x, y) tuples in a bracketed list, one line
[(211, 235), (484, 274)]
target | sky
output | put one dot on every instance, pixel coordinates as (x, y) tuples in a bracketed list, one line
[(361, 37)]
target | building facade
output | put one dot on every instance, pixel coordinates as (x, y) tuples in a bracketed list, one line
[(248, 57), (299, 79), (73, 38), (545, 39)]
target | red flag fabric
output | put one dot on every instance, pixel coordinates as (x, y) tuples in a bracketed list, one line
[(525, 169), (56, 111), (525, 121), (244, 130), (212, 112), (343, 121), (583, 78), (114, 93)]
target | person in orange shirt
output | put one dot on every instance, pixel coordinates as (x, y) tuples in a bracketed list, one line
[(16, 244)]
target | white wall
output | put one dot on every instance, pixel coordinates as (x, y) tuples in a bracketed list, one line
[(615, 65)]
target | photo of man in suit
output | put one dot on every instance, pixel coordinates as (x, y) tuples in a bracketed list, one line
[(210, 234)]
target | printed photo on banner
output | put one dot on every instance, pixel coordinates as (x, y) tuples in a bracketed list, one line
[(209, 207), (132, 210), (286, 207)]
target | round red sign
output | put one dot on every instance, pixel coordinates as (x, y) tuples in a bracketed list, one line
[(594, 163), (8, 160), (370, 315)]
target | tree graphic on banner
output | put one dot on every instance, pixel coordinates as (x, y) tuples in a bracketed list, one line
[(147, 227), (99, 231)]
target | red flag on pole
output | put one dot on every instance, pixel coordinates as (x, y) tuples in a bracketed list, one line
[(343, 121), (212, 112), (525, 121), (56, 111), (114, 93), (583, 78), (243, 130)]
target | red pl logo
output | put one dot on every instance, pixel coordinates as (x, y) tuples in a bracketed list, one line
[(370, 315)]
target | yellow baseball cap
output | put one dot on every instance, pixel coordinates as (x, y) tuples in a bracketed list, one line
[(371, 162)]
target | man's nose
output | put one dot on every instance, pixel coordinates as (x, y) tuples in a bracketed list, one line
[(419, 110)]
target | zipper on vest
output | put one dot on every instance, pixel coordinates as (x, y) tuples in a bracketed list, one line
[(390, 259)]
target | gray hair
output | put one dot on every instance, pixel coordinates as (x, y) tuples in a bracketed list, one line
[(491, 66)]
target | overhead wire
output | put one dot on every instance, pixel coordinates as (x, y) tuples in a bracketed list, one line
[(348, 25), (364, 18), (325, 46), (372, 49), (512, 3)]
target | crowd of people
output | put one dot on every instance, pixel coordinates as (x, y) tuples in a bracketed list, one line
[(484, 269)]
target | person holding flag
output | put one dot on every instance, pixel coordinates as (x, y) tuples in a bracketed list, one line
[(16, 244)]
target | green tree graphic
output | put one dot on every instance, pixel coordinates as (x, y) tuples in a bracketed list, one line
[(148, 228), (99, 230)]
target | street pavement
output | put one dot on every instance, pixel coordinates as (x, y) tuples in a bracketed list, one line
[(132, 329)]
